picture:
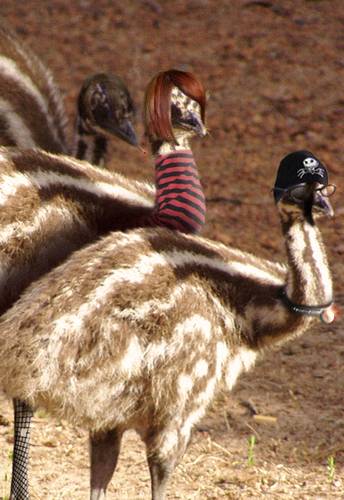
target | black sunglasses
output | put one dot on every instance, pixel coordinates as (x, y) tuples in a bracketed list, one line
[(299, 192)]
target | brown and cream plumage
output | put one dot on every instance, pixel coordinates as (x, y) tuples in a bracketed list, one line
[(137, 330), (53, 205), (32, 113)]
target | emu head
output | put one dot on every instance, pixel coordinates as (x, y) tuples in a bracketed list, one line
[(175, 103), (186, 115), (302, 188), (105, 107), (311, 201)]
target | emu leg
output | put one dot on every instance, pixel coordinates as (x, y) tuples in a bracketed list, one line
[(22, 421), (160, 471), (164, 450), (104, 454)]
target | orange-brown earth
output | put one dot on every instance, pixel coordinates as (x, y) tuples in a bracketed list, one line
[(275, 72)]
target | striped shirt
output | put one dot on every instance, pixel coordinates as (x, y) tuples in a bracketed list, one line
[(180, 202)]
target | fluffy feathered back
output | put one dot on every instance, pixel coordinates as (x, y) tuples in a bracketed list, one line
[(157, 106), (31, 107)]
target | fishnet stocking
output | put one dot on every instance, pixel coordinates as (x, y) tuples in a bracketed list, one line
[(22, 421)]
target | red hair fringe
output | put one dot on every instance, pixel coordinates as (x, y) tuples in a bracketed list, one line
[(157, 105)]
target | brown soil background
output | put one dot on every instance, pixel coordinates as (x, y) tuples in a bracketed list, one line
[(275, 72)]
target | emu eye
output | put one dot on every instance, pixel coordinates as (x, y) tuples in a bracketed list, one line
[(191, 120)]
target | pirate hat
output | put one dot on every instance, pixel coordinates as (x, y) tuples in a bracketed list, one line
[(300, 167)]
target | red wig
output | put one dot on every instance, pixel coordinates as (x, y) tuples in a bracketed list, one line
[(157, 106)]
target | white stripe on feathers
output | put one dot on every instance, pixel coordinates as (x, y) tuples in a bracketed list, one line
[(10, 69), (16, 127)]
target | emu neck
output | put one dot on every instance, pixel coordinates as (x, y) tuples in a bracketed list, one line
[(265, 319), (308, 281), (89, 145), (165, 147)]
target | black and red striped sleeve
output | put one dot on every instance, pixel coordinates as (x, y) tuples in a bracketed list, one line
[(180, 202)]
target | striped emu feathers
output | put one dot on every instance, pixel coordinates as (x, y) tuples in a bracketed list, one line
[(120, 319), (53, 205), (137, 330), (31, 108)]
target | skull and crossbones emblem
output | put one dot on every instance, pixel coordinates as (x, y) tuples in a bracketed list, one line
[(310, 166)]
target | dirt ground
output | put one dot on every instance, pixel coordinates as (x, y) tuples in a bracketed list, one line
[(275, 72)]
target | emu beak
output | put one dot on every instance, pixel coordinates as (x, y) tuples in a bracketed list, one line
[(322, 205), (197, 125), (126, 132)]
